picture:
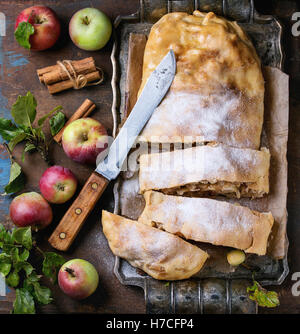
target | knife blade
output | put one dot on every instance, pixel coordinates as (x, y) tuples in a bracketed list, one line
[(108, 169)]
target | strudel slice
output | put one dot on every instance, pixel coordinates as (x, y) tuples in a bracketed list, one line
[(160, 254), (208, 220), (208, 169)]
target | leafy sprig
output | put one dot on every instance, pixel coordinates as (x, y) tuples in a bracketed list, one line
[(16, 246), (22, 129), (261, 296)]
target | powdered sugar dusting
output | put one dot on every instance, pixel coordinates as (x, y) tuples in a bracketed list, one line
[(202, 164), (225, 116), (202, 219)]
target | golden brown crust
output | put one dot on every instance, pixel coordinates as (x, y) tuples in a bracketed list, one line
[(217, 169), (207, 220), (160, 254), (218, 91), (210, 51)]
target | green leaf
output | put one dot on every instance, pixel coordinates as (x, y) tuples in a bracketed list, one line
[(13, 279), (28, 147), (49, 114), (23, 265), (5, 264), (2, 234), (8, 130), (51, 265), (16, 140), (6, 236), (24, 303), (261, 296), (22, 236), (57, 122), (42, 294), (24, 255), (32, 278), (22, 34), (24, 110), (16, 179)]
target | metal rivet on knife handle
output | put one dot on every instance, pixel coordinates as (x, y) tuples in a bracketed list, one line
[(94, 185), (62, 235), (78, 211)]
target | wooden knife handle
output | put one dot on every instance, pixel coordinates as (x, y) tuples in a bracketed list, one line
[(74, 218)]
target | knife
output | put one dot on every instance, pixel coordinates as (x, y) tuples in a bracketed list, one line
[(108, 169)]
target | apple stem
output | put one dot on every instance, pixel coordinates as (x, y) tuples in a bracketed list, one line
[(86, 20), (70, 271)]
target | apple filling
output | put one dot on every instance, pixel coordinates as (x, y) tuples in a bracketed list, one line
[(229, 189)]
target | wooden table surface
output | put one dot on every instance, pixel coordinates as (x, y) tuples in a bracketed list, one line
[(18, 75)]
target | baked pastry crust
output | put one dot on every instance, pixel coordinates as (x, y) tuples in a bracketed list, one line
[(218, 91), (160, 254), (208, 220), (207, 169)]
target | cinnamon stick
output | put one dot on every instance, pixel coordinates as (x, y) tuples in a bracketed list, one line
[(79, 66), (67, 84), (83, 111)]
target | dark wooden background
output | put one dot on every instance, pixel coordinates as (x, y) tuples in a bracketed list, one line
[(18, 75)]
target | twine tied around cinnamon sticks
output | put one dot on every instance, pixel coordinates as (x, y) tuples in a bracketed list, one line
[(68, 74)]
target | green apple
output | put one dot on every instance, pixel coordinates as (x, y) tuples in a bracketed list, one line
[(90, 29)]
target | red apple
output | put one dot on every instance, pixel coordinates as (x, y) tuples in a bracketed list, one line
[(78, 278), (84, 139), (58, 184), (30, 209), (46, 26)]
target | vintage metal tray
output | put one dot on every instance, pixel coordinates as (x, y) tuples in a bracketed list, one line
[(214, 290)]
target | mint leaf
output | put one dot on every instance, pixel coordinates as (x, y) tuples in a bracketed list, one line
[(32, 278), (8, 130), (49, 114), (6, 240), (20, 274), (22, 34), (24, 255), (24, 303), (23, 265), (28, 147), (261, 296), (13, 279), (57, 122), (22, 236), (16, 140), (51, 265), (24, 110), (42, 294), (16, 179), (5, 264)]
